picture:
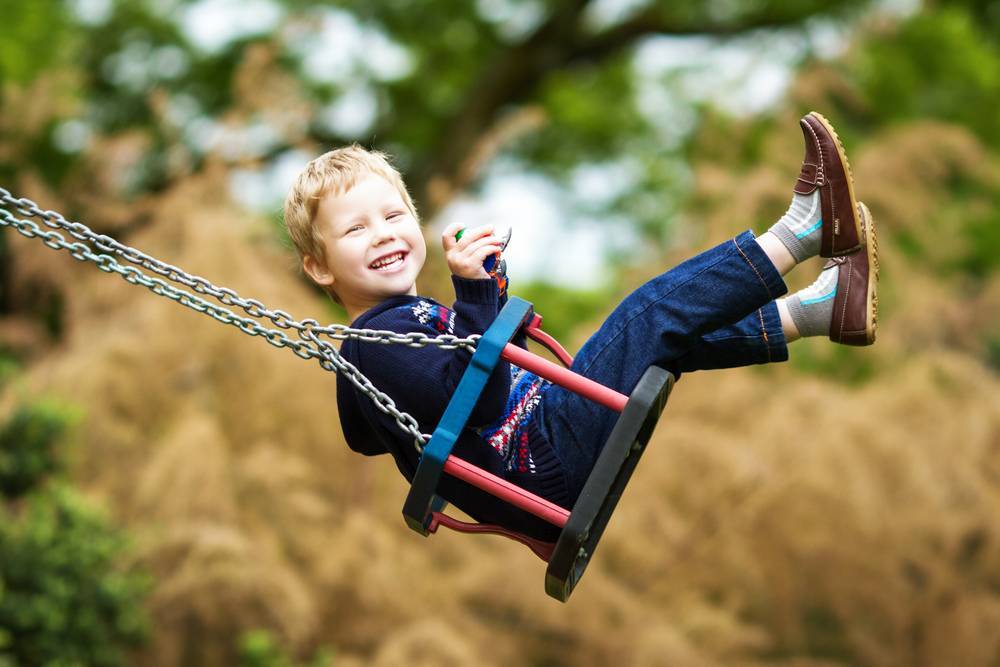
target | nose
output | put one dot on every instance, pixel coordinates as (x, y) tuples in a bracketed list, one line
[(382, 232)]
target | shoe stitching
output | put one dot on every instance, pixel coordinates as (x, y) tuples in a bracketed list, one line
[(847, 296), (815, 177), (833, 203), (819, 146)]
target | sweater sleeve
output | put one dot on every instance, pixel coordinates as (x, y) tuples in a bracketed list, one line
[(360, 436), (469, 292), (520, 339), (477, 303), (422, 380)]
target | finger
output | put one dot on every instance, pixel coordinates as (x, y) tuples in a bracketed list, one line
[(448, 235), (482, 253), (470, 236), (473, 248)]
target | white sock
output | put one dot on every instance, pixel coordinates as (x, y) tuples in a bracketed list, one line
[(799, 229), (811, 308)]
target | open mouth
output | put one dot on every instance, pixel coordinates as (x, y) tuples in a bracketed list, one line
[(388, 262)]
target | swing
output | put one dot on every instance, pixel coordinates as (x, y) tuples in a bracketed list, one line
[(423, 510), (582, 528)]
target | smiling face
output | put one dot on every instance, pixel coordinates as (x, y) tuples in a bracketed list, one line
[(373, 245)]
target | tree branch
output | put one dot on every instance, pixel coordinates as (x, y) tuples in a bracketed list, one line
[(514, 75), (511, 77), (653, 22)]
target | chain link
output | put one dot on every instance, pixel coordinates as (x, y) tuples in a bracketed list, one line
[(309, 347)]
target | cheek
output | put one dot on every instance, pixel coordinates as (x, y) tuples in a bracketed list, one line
[(350, 249), (420, 250), (418, 245)]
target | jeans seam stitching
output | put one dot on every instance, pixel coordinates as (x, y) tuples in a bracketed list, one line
[(752, 266), (763, 329)]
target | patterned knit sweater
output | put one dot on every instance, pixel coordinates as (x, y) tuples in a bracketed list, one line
[(502, 434)]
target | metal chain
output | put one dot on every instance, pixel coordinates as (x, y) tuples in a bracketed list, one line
[(229, 297), (327, 356)]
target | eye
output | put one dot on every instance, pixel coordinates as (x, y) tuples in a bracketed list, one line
[(395, 215), (354, 228)]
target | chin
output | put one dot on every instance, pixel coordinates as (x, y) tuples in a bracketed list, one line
[(401, 290)]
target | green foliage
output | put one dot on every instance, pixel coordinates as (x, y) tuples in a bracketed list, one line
[(961, 238), (65, 600), (576, 68), (29, 447), (33, 36), (8, 366), (260, 649), (563, 309), (837, 362), (336, 311), (984, 13), (939, 64), (982, 236), (992, 345), (823, 635), (587, 119)]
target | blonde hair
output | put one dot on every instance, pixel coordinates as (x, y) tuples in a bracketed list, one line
[(334, 173)]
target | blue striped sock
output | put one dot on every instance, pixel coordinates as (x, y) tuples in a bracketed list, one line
[(811, 308), (801, 226)]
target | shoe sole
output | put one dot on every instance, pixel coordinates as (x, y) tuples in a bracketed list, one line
[(870, 239), (846, 166)]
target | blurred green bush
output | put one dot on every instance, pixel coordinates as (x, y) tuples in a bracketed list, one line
[(67, 595), (259, 648)]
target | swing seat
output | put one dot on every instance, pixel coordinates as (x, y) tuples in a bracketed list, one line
[(606, 483), (581, 528)]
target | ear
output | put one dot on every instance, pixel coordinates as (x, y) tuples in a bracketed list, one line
[(317, 270)]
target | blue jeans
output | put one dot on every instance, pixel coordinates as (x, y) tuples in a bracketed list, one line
[(715, 310)]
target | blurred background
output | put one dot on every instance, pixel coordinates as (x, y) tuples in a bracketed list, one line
[(173, 492)]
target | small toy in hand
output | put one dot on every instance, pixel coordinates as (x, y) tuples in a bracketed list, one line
[(494, 264)]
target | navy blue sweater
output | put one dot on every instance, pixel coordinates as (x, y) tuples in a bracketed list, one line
[(501, 436)]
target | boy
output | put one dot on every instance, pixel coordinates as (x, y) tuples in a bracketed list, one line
[(358, 234)]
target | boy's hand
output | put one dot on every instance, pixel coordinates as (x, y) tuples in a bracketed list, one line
[(465, 257)]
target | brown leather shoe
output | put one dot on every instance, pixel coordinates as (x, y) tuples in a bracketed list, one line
[(855, 307), (825, 167)]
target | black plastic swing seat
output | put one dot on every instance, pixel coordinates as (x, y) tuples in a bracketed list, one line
[(606, 483), (583, 527)]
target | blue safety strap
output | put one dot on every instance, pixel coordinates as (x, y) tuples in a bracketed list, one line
[(416, 510)]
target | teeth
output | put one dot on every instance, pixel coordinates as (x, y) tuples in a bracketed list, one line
[(386, 261)]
